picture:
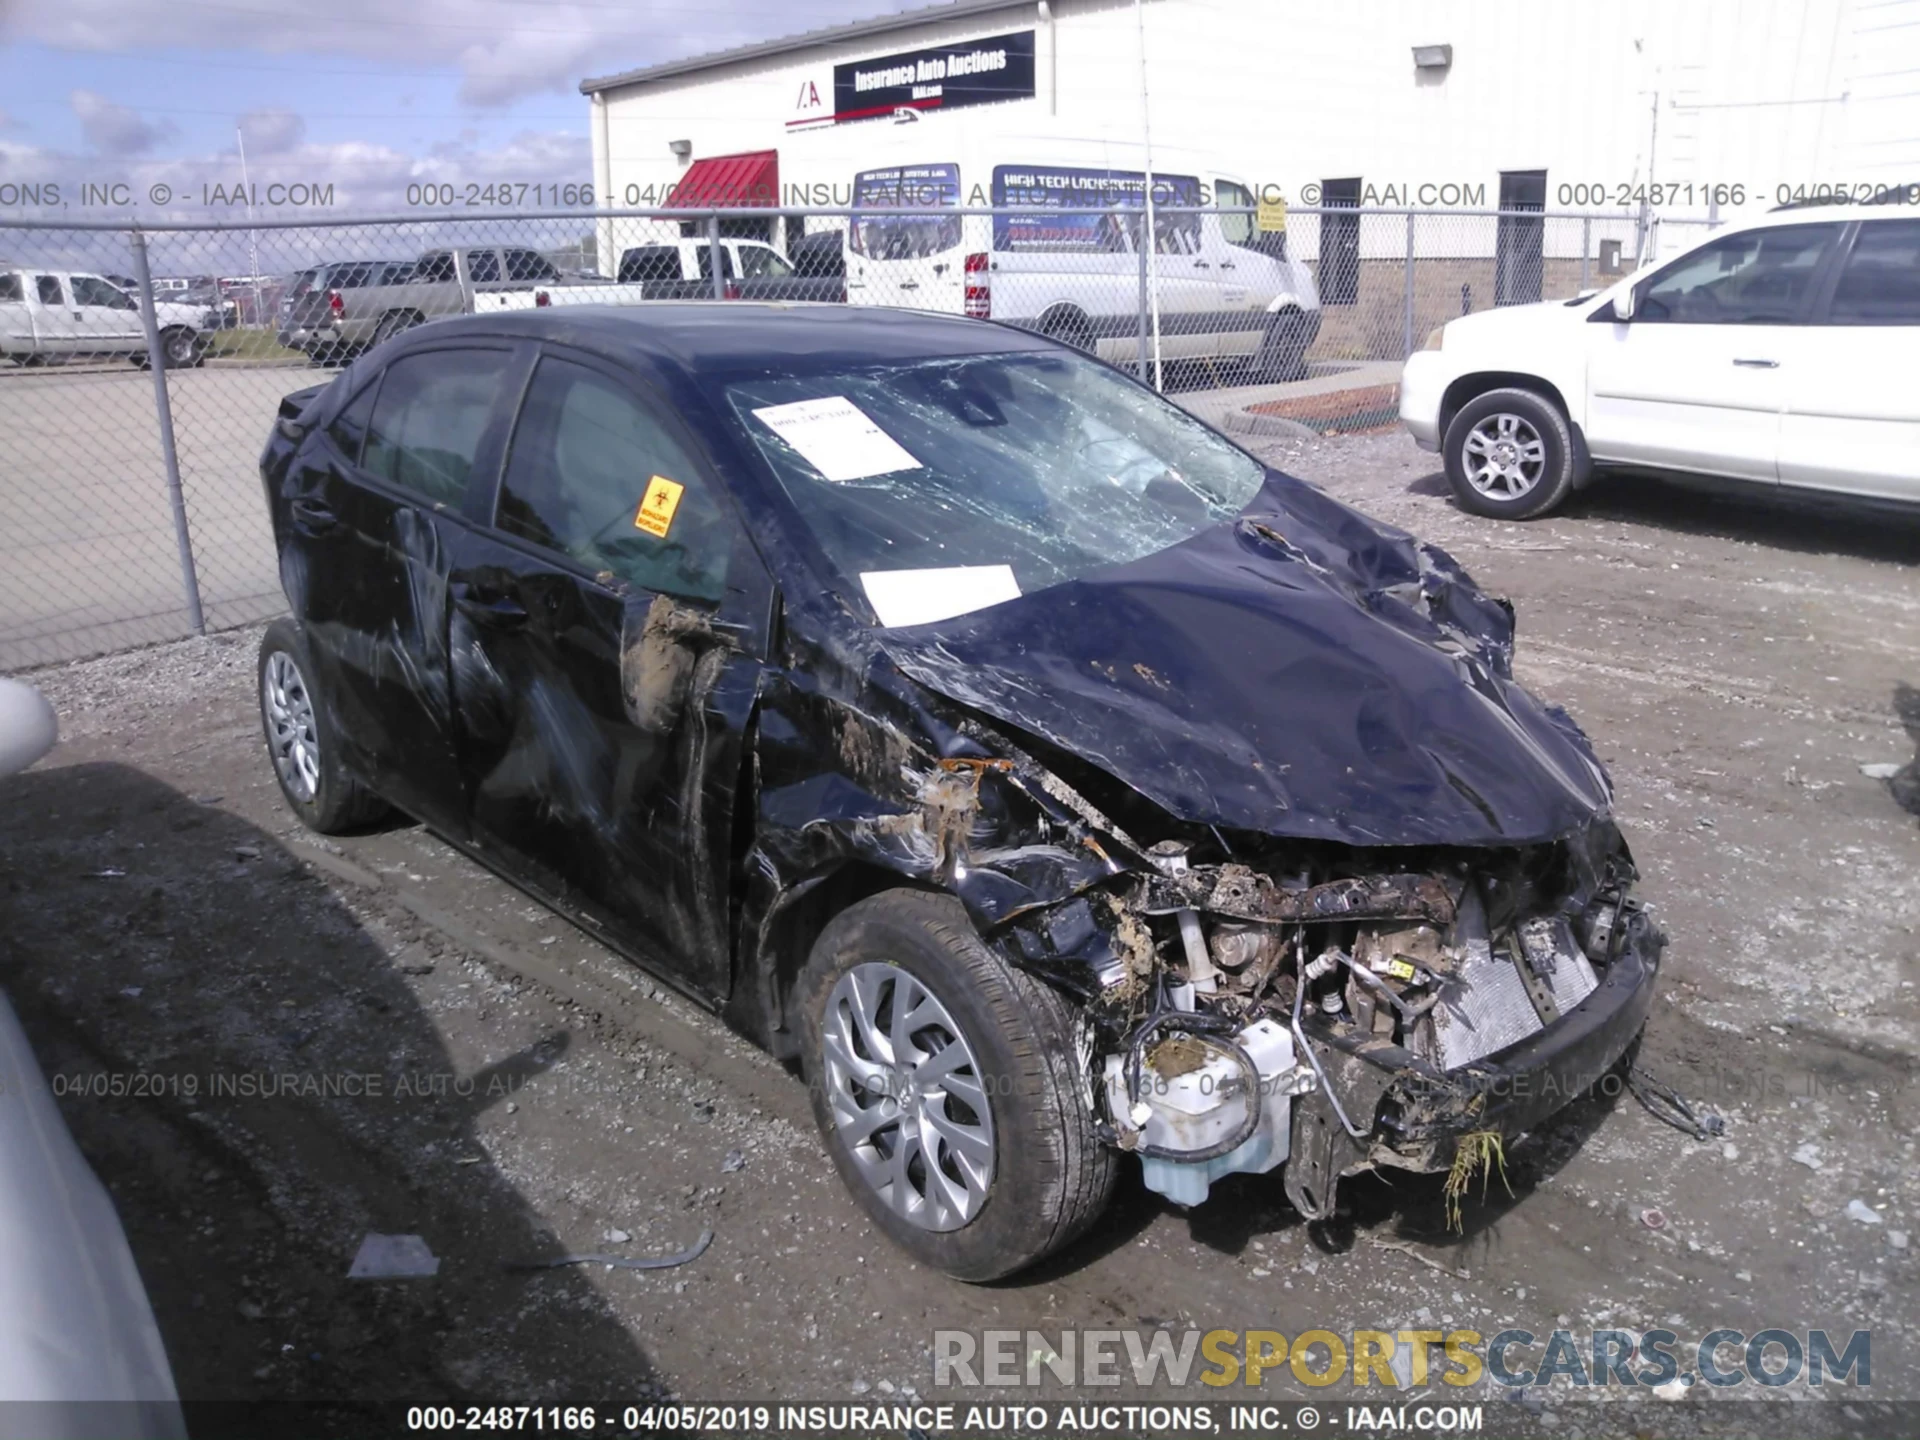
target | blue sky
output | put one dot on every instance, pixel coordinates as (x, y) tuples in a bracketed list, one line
[(368, 94)]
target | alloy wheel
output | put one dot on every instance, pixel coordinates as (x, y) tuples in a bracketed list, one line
[(907, 1097), (1503, 456), (291, 735)]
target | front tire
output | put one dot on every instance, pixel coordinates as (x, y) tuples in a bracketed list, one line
[(1509, 454), (1283, 350), (945, 1085), (301, 742)]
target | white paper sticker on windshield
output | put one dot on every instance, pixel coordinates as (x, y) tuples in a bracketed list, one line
[(919, 597), (837, 438)]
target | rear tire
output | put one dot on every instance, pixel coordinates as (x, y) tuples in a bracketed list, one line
[(301, 741), (1282, 355), (1510, 454), (1071, 328), (1021, 1171)]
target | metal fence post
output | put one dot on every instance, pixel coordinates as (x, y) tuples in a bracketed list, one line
[(1586, 249), (176, 501), (713, 257), (1406, 348), (1140, 328)]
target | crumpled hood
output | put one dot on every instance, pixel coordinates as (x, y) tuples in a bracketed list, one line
[(1303, 671)]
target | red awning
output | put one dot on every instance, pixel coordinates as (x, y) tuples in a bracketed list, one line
[(728, 182)]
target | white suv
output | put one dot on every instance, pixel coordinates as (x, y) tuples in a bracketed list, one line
[(1786, 352)]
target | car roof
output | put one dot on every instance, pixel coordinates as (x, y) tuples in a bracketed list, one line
[(709, 335), (1812, 214)]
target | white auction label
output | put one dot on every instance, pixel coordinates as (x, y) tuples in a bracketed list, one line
[(837, 438)]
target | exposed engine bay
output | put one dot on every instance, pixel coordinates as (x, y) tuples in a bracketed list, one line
[(1250, 1015)]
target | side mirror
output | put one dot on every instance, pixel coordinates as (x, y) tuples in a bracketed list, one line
[(1623, 305)]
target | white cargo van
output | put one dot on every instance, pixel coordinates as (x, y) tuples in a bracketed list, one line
[(1226, 290)]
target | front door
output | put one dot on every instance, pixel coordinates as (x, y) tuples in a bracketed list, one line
[(606, 633), (373, 515), (108, 319), (1697, 380), (1852, 420)]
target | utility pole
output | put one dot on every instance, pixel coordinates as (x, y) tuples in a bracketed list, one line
[(253, 245), (1152, 237)]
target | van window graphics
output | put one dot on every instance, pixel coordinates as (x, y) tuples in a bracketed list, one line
[(933, 186), (1099, 210)]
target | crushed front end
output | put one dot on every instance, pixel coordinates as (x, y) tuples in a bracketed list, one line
[(1333, 1010)]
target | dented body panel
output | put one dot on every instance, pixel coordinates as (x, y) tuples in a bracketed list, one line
[(1277, 774)]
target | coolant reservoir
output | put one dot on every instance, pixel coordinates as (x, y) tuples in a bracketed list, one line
[(1207, 1105)]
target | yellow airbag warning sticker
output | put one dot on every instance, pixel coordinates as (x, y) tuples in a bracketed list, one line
[(655, 514)]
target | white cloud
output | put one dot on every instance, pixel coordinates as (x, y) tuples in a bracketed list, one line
[(271, 132), (114, 129), (504, 49)]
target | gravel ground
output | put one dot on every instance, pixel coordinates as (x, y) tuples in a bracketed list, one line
[(1736, 661)]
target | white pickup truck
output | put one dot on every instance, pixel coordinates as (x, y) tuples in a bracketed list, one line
[(46, 314)]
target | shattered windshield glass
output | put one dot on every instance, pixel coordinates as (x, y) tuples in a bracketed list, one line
[(938, 487)]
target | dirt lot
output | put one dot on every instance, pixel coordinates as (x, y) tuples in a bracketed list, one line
[(161, 915)]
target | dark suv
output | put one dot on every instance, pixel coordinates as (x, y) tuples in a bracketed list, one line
[(1057, 784)]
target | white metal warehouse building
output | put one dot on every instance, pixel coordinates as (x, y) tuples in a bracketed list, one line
[(1729, 105)]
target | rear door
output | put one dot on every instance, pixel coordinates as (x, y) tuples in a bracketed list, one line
[(609, 630), (1698, 379), (904, 247), (1853, 395), (372, 510), (56, 321)]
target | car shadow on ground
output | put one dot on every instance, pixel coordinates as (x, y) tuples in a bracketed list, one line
[(218, 1021), (1782, 519)]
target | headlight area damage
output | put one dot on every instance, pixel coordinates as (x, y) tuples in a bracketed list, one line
[(1332, 894)]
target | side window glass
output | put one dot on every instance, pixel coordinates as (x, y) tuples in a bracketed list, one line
[(482, 266), (705, 252), (427, 424), (48, 288), (1758, 277), (1880, 284), (349, 427), (1234, 229), (10, 288), (650, 262), (595, 476), (529, 265), (436, 268)]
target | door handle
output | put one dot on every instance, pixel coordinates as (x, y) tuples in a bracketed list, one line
[(1226, 265), (1202, 265), (1759, 364), (313, 516), (909, 284), (486, 608)]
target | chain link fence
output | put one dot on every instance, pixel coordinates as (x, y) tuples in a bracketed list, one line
[(141, 368)]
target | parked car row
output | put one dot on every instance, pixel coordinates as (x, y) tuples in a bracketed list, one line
[(332, 311)]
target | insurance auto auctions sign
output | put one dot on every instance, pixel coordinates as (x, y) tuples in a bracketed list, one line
[(970, 72)]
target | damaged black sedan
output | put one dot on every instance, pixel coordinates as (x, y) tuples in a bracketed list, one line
[(1048, 778)]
